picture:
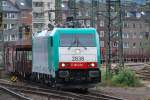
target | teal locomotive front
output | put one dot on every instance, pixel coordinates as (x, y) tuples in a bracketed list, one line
[(78, 57), (67, 57)]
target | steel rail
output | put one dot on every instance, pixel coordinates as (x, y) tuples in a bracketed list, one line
[(49, 92), (104, 96), (17, 95), (49, 95), (92, 95)]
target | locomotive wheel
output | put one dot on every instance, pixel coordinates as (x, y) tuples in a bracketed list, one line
[(85, 89)]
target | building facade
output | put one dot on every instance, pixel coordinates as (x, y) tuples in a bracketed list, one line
[(41, 15), (136, 39), (11, 21), (25, 8), (16, 13)]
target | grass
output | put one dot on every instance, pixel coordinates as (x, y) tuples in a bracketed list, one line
[(124, 78)]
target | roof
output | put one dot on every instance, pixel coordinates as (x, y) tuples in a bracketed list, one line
[(10, 7), (24, 4)]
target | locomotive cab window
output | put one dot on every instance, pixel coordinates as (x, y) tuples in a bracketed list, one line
[(77, 40)]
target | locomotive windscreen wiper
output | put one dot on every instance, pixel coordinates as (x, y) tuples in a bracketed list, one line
[(76, 41), (72, 44)]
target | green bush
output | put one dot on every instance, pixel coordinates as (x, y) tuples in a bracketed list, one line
[(126, 77), (103, 74), (104, 81)]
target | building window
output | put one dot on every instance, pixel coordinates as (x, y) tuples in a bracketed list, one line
[(12, 25), (13, 37), (115, 34), (10, 15), (126, 45), (38, 15), (140, 25), (134, 45), (8, 26), (5, 15), (140, 44), (38, 25), (140, 36), (146, 44), (4, 3), (146, 35), (1, 38), (102, 43), (79, 13), (49, 4), (101, 33), (38, 4), (133, 25), (131, 35), (126, 25), (88, 23), (127, 14), (134, 35), (5, 38), (125, 35), (23, 15), (101, 23), (5, 26), (115, 44), (87, 13)]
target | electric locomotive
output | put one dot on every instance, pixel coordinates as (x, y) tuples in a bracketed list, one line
[(69, 56), (63, 57)]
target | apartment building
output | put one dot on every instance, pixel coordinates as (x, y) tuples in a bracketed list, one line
[(11, 21), (25, 7), (40, 14), (9, 30), (136, 39), (16, 13)]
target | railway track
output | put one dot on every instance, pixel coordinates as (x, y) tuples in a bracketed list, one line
[(63, 95), (14, 94), (144, 73), (104, 96)]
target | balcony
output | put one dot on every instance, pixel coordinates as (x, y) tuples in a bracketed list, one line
[(39, 20), (38, 9)]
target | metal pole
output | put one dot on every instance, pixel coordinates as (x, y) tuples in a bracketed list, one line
[(2, 37), (121, 58), (108, 45), (58, 15), (92, 14), (74, 14)]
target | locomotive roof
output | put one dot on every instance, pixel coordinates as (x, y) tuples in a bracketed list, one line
[(42, 34), (63, 30)]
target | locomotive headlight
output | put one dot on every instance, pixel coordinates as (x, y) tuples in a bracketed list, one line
[(77, 51), (92, 64), (63, 65)]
